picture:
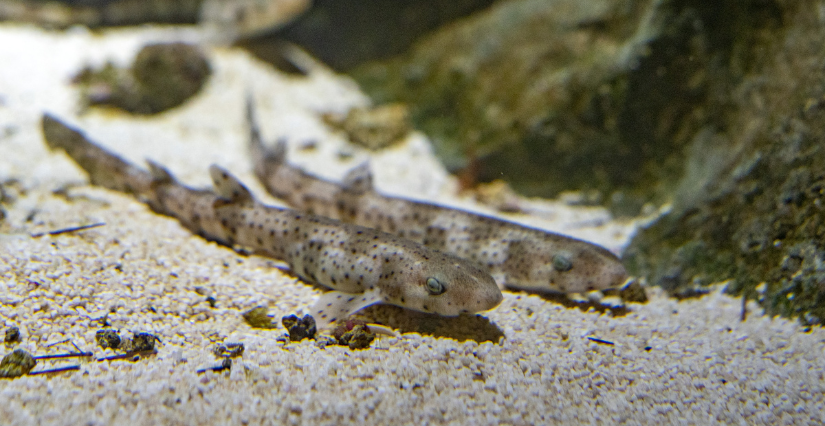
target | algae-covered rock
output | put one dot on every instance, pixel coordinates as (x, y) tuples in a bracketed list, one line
[(354, 333), (12, 336), (769, 227), (712, 107), (258, 317), (299, 328), (749, 208), (108, 338), (571, 95), (532, 89), (373, 128), (162, 76), (16, 364)]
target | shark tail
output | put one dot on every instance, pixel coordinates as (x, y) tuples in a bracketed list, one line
[(103, 167)]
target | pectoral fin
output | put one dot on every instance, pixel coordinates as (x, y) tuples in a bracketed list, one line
[(335, 305)]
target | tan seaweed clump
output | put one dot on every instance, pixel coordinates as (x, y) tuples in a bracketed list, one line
[(373, 128), (16, 364)]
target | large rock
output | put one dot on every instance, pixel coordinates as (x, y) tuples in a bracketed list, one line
[(749, 207), (534, 90), (560, 95), (716, 108)]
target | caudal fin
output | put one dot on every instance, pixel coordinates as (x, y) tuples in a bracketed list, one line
[(104, 168)]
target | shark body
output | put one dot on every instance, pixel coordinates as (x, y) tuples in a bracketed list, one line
[(361, 266), (517, 256)]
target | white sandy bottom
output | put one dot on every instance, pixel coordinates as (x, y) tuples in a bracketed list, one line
[(527, 362)]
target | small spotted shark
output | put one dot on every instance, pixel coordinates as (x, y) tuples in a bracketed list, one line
[(516, 256), (362, 266)]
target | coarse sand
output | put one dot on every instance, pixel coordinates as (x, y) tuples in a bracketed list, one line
[(529, 361)]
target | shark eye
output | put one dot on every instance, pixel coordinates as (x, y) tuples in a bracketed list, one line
[(562, 263), (435, 287)]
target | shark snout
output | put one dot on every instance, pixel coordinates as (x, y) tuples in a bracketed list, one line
[(490, 299), (615, 274)]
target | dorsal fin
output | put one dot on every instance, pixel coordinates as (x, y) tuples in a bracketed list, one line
[(229, 187), (262, 158), (159, 173), (277, 155), (255, 142), (359, 179)]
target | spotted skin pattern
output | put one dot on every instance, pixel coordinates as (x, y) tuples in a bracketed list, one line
[(516, 256), (362, 266)]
